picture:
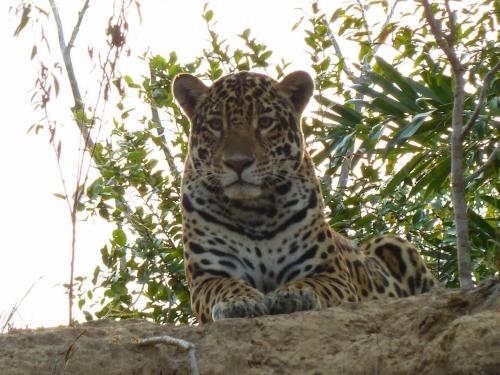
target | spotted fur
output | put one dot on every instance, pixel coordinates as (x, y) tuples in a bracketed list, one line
[(256, 240)]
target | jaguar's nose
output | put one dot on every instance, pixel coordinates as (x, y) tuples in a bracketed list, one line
[(239, 163)]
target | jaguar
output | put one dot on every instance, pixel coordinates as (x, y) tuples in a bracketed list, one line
[(256, 238)]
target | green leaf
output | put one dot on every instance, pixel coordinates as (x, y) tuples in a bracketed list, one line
[(297, 24), (24, 19), (480, 224), (441, 86), (492, 201), (381, 102), (402, 174), (119, 237), (387, 106), (245, 34), (424, 91), (353, 116), (368, 145), (208, 15), (389, 88), (266, 55), (88, 316), (325, 64), (391, 73), (338, 119), (433, 178), (364, 50), (406, 132)]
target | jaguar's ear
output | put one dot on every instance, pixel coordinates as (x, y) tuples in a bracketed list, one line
[(188, 89), (298, 87)]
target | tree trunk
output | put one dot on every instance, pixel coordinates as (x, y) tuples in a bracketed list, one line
[(458, 183)]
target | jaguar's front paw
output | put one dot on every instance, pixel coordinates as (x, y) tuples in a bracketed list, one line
[(239, 308), (286, 301)]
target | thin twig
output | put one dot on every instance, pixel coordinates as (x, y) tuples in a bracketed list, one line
[(67, 356), (365, 22), (386, 22), (338, 51), (89, 143), (491, 159), (482, 96), (85, 130), (71, 349), (14, 309), (183, 344), (77, 26)]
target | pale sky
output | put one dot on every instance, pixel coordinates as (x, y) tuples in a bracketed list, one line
[(35, 228)]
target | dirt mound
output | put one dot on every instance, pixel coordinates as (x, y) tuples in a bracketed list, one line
[(443, 332)]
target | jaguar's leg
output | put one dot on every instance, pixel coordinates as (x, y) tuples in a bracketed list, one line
[(311, 293), (402, 262), (221, 298)]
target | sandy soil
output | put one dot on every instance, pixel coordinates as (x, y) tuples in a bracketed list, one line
[(444, 332)]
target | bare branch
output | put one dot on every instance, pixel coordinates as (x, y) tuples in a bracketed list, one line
[(168, 155), (5, 323), (68, 63), (338, 51), (183, 344), (482, 96), (161, 133), (492, 158), (452, 23), (74, 34), (441, 40), (346, 164)]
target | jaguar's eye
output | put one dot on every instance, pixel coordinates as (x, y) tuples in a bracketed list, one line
[(215, 124), (265, 122)]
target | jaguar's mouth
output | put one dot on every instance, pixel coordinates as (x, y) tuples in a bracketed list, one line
[(241, 190)]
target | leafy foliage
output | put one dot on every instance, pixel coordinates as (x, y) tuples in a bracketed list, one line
[(388, 121)]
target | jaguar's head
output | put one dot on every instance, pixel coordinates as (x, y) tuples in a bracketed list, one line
[(246, 138)]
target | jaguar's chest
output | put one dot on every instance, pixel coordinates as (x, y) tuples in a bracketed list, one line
[(264, 264), (266, 243)]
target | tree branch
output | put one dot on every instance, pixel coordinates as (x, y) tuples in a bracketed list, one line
[(457, 152), (345, 168), (492, 158), (482, 96), (338, 51), (365, 22), (386, 22), (183, 344), (161, 133), (452, 23), (74, 34), (441, 40), (68, 63)]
